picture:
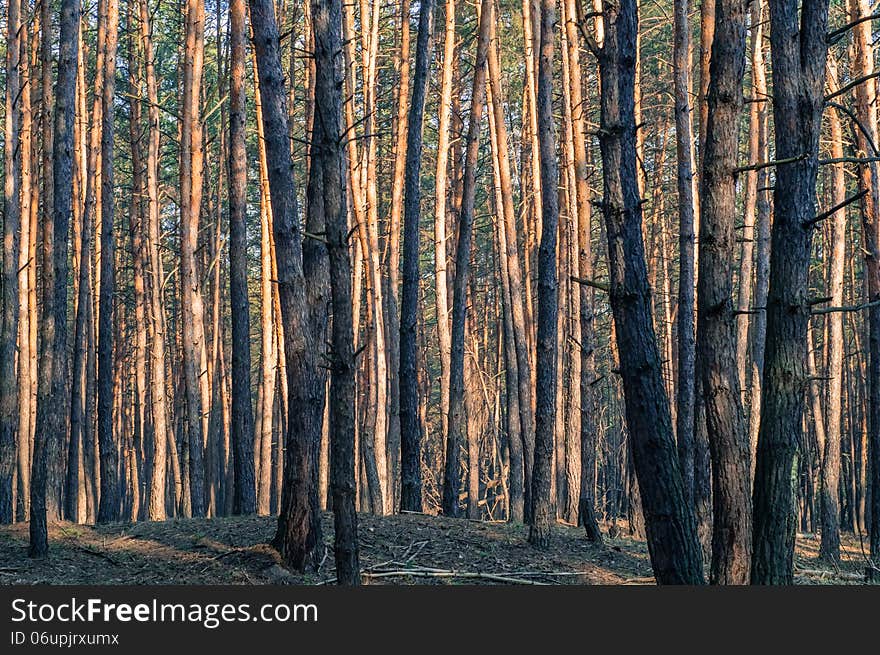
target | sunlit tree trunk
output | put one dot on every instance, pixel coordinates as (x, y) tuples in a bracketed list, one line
[(456, 421), (11, 245)]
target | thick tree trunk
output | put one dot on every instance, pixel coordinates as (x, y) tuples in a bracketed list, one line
[(410, 424), (799, 76), (716, 323), (299, 531), (52, 384), (671, 531)]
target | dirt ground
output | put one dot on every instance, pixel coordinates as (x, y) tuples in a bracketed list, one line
[(402, 549)]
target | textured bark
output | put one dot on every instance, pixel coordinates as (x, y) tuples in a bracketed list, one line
[(163, 437), (410, 424), (869, 182), (52, 384), (327, 21), (270, 360), (672, 539), (110, 501), (192, 312), (762, 236), (244, 491), (456, 421), (521, 451), (299, 531), (30, 203), (548, 301), (716, 323), (798, 82), (11, 245), (829, 481), (441, 198), (687, 210)]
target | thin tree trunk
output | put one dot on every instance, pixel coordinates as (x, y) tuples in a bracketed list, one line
[(456, 422), (327, 21), (829, 490), (109, 507), (244, 491), (546, 364), (411, 429), (163, 437), (11, 245), (441, 198), (521, 452)]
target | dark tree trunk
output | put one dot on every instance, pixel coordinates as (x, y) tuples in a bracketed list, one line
[(671, 531), (716, 322), (456, 422), (109, 505), (327, 138), (545, 363), (410, 423), (243, 484), (798, 83), (299, 530), (684, 414), (52, 384)]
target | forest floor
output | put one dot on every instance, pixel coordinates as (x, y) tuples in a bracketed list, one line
[(401, 549)]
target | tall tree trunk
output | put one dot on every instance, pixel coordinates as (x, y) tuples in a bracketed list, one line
[(798, 81), (163, 437), (716, 323), (244, 491), (829, 490), (52, 384), (521, 453), (299, 531), (192, 313), (110, 505), (456, 421), (546, 364), (11, 245), (441, 199), (327, 21), (672, 538), (866, 139), (687, 210), (410, 425), (758, 336)]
